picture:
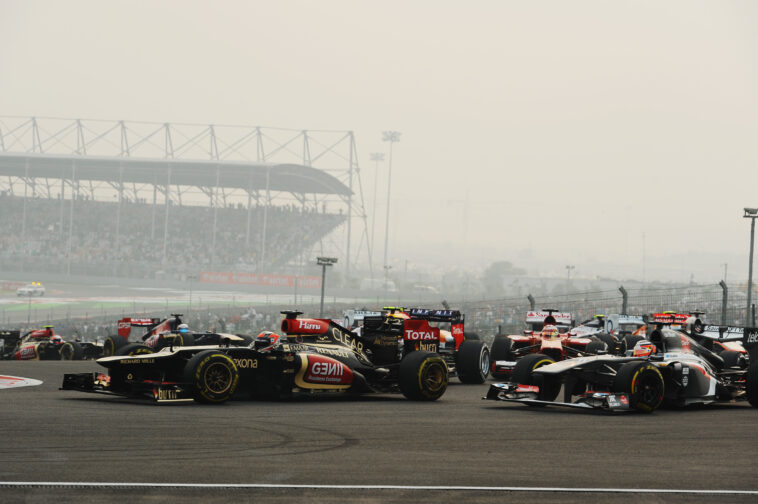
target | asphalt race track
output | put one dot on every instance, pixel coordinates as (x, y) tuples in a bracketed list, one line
[(75, 447)]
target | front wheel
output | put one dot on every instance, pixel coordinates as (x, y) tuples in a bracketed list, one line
[(523, 374), (644, 384), (212, 377), (112, 344), (472, 361), (423, 376)]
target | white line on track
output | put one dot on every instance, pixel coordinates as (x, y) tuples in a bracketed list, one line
[(81, 484)]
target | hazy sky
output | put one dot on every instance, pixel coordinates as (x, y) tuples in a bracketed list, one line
[(542, 132)]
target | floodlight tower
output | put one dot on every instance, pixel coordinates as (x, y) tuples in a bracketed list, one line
[(750, 213)]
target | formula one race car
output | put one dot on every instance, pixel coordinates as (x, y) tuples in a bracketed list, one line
[(438, 331), (616, 331), (160, 334), (669, 368), (44, 344), (549, 335), (317, 357)]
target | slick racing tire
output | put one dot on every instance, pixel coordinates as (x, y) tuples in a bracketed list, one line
[(212, 377), (471, 336), (502, 347), (751, 384), (71, 350), (184, 339), (595, 347), (731, 358), (644, 384), (423, 376), (472, 361), (523, 375), (112, 344), (134, 349), (632, 340)]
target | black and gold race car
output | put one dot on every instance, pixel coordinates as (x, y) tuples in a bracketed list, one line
[(317, 356)]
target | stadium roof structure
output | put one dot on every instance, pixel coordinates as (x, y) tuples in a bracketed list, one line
[(248, 176)]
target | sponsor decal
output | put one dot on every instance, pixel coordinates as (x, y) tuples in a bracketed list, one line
[(246, 363), (429, 347), (624, 400), (138, 361), (165, 394), (27, 353), (327, 371), (346, 339), (419, 330), (751, 336)]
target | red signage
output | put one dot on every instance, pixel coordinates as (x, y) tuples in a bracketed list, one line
[(305, 282)]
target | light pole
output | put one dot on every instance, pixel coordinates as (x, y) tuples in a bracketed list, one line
[(391, 137), (375, 156), (324, 262), (750, 213)]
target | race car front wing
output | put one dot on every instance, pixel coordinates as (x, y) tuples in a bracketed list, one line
[(528, 394), (99, 383)]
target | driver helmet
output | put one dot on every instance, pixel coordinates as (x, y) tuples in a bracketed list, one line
[(272, 336), (549, 331), (56, 339), (183, 328), (643, 348)]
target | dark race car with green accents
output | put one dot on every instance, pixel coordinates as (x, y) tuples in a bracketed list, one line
[(317, 357)]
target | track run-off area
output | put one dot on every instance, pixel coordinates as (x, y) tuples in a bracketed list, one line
[(76, 447)]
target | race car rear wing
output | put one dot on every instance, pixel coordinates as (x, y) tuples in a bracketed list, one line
[(452, 316), (562, 318), (722, 333)]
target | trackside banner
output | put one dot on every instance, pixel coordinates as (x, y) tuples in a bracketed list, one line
[(306, 282)]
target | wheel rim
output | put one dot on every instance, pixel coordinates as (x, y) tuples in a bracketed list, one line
[(650, 389), (433, 377), (218, 378), (484, 364), (66, 352)]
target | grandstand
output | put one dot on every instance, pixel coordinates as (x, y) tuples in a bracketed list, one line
[(148, 200)]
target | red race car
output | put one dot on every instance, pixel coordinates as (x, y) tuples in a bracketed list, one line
[(548, 334)]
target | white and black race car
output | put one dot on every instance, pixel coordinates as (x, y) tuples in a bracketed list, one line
[(669, 367)]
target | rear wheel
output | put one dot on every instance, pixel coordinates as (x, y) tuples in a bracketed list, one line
[(632, 340), (212, 377), (502, 350), (184, 339), (595, 347), (751, 385), (134, 349), (523, 375), (644, 384), (473, 361), (112, 344), (731, 358), (71, 350), (423, 376)]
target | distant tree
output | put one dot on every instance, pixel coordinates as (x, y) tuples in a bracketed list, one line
[(495, 275)]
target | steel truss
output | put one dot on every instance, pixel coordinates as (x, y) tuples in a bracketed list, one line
[(325, 150)]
